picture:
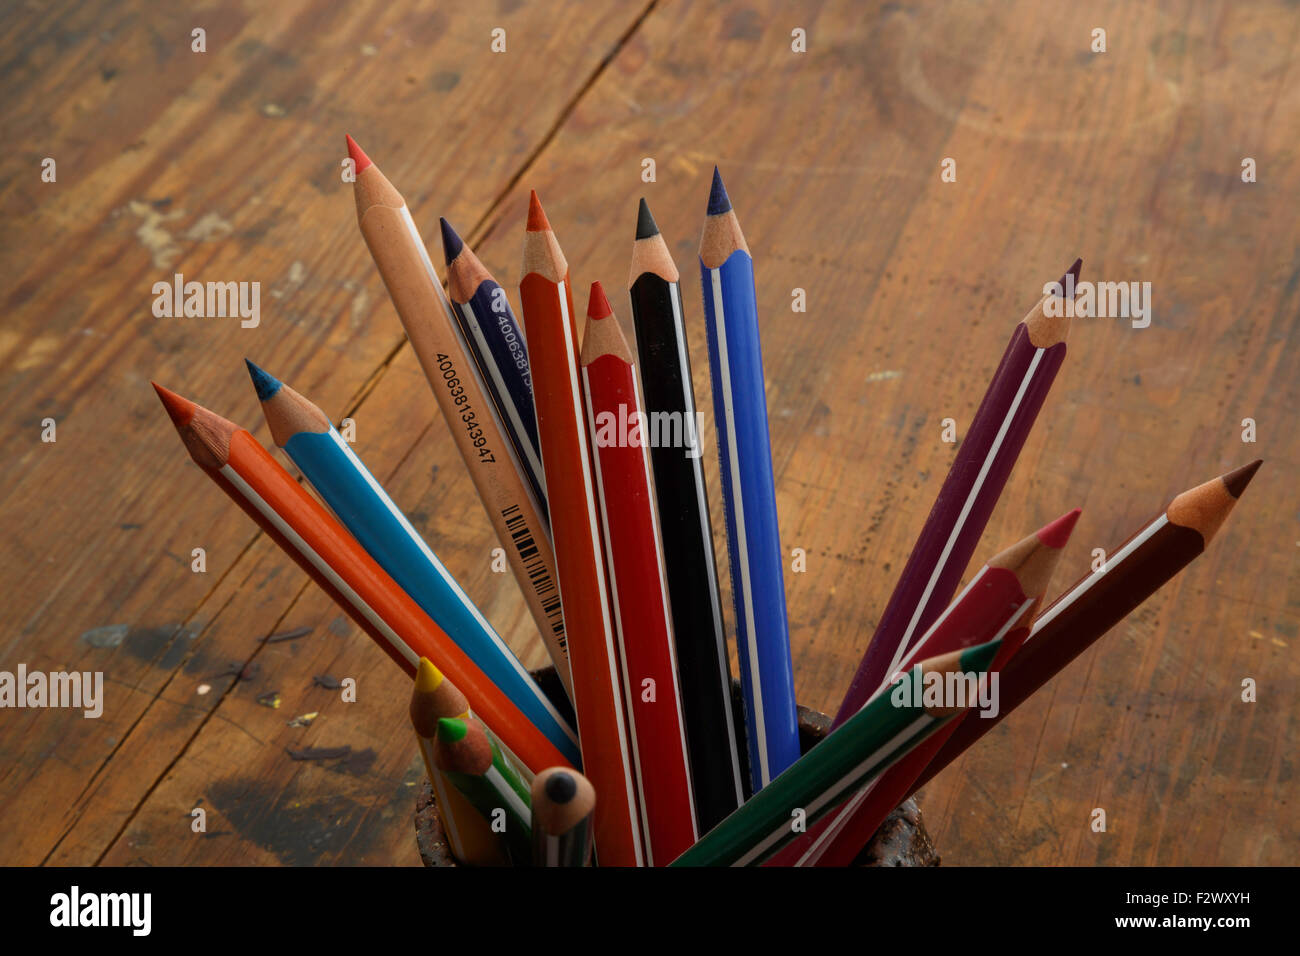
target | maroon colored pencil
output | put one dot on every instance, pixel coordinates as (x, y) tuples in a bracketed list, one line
[(968, 496), (1133, 572)]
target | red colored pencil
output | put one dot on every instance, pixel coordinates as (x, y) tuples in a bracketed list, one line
[(1000, 602), (638, 586), (310, 535), (547, 306)]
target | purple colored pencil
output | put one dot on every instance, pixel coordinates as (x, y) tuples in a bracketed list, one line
[(968, 496)]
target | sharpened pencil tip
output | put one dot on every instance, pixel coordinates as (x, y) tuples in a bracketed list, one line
[(1236, 481), (1073, 271), (452, 729), (645, 223), (451, 243), (537, 221), (427, 677), (1056, 534), (561, 787), (359, 158), (179, 409), (597, 303), (719, 201), (266, 385)]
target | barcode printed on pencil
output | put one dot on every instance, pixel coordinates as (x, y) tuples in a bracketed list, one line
[(536, 570)]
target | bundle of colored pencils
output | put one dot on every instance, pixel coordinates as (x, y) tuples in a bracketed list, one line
[(587, 459)]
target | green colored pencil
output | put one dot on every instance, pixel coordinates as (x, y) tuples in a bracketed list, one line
[(885, 729), (473, 763)]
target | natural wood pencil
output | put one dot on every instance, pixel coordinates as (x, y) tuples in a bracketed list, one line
[(435, 336), (547, 305)]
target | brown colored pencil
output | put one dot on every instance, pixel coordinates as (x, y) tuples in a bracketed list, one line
[(563, 800), (1099, 600)]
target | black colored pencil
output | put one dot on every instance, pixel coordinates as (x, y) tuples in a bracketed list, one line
[(684, 526)]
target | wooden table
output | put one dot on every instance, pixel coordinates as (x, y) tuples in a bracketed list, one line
[(225, 166)]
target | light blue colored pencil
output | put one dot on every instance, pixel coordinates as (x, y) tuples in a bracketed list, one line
[(364, 508), (748, 492)]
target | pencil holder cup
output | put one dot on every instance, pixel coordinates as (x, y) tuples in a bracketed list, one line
[(902, 839)]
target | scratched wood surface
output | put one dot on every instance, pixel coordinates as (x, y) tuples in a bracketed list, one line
[(225, 166)]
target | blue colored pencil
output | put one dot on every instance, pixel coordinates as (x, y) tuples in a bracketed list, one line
[(489, 326), (364, 508), (748, 491)]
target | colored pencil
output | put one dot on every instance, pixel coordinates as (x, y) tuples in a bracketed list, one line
[(748, 491), (685, 528), (1098, 601), (431, 327), (869, 742), (309, 534), (359, 501), (473, 763), (562, 803), (969, 493), (636, 585), (489, 327), (546, 301), (1000, 602), (471, 839)]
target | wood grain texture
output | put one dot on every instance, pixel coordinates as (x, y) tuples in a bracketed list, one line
[(1130, 159)]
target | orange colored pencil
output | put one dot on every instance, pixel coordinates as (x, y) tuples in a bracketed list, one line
[(552, 335), (310, 535)]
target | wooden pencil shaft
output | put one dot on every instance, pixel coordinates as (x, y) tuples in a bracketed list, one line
[(435, 337), (685, 529), (962, 509), (642, 620), (749, 498), (547, 311)]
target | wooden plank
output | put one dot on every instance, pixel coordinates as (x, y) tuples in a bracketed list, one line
[(228, 168)]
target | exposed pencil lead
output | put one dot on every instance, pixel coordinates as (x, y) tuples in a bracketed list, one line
[(451, 243), (179, 409), (719, 202), (452, 729), (980, 657), (645, 223), (561, 787), (359, 158), (265, 385), (427, 677), (1056, 534), (537, 221), (597, 303), (1074, 271), (1236, 481)]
